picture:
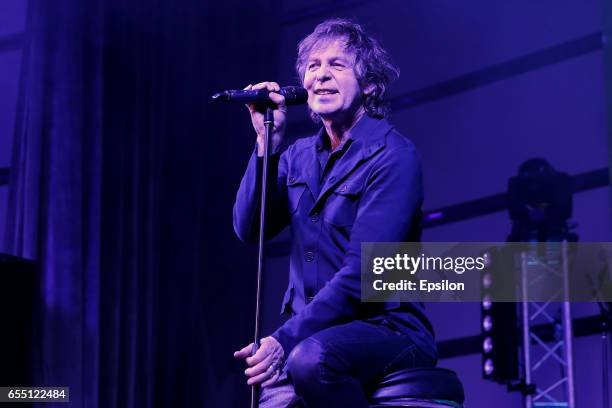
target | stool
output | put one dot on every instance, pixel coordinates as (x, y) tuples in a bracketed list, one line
[(418, 387)]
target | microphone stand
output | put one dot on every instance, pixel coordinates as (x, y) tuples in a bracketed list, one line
[(268, 124)]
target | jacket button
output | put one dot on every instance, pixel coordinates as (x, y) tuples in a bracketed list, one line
[(309, 299), (292, 179), (314, 218), (332, 179), (309, 256)]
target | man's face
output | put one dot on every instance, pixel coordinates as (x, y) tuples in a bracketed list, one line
[(333, 90)]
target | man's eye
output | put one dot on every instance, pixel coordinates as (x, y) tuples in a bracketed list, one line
[(312, 66)]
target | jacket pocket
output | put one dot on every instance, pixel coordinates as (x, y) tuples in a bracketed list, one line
[(287, 301), (295, 189), (341, 208)]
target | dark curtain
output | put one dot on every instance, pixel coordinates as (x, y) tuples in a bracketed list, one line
[(122, 184)]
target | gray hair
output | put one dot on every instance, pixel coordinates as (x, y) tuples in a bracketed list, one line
[(373, 64)]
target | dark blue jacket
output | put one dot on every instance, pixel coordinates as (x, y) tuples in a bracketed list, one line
[(373, 193)]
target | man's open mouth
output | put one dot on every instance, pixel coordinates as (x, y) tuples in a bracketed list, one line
[(325, 92)]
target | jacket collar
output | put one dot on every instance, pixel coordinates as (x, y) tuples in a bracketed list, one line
[(367, 131), (368, 137)]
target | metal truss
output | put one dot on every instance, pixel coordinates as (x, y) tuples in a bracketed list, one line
[(548, 363)]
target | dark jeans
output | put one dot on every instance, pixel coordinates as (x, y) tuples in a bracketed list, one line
[(337, 366)]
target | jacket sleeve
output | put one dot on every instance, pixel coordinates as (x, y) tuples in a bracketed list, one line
[(392, 197), (248, 198)]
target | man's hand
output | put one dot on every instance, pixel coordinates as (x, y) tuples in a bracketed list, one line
[(266, 364), (280, 117)]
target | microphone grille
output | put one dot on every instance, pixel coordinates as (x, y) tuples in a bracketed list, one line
[(295, 95)]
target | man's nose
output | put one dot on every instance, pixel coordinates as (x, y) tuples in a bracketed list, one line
[(323, 73)]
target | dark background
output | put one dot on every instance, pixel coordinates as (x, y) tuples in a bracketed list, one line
[(118, 177)]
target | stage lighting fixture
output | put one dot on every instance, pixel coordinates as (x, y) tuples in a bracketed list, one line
[(487, 345), (488, 367), (487, 280), (486, 302), (487, 323), (500, 334), (540, 201)]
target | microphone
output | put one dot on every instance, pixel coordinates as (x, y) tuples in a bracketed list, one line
[(294, 95)]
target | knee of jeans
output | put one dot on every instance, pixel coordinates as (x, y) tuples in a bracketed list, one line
[(303, 363)]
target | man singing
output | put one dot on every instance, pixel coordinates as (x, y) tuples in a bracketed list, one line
[(357, 180)]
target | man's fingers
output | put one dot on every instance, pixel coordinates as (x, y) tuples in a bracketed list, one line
[(272, 379), (260, 85), (270, 86), (249, 106), (277, 99), (261, 367), (265, 363), (261, 377), (258, 357), (244, 352), (267, 348)]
